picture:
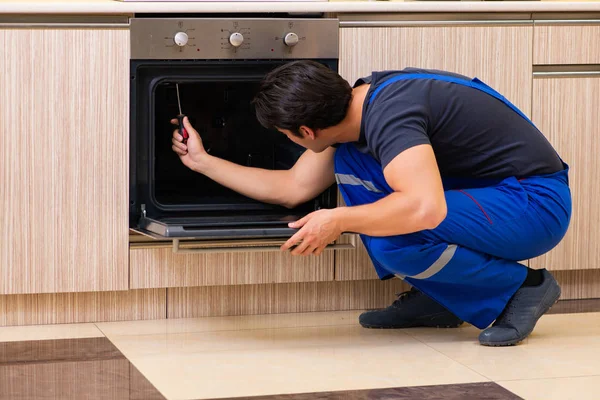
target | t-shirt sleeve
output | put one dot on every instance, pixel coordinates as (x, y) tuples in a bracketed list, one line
[(394, 126)]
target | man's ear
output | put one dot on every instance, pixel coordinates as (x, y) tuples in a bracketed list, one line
[(308, 132)]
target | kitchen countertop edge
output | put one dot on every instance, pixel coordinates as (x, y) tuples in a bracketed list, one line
[(116, 7)]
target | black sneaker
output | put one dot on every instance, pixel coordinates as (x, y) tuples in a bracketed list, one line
[(522, 312), (412, 309)]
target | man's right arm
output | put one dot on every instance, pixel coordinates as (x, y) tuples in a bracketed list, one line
[(310, 176)]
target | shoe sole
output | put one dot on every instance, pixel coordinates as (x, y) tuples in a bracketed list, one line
[(519, 340), (411, 326)]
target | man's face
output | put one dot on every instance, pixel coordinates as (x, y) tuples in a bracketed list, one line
[(309, 139)]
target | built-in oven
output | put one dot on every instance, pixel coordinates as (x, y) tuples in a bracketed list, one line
[(217, 65)]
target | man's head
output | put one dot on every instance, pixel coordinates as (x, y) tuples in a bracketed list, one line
[(301, 99)]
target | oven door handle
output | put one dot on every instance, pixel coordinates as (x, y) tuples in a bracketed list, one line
[(201, 247)]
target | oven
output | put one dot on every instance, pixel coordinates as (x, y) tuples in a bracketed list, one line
[(217, 65)]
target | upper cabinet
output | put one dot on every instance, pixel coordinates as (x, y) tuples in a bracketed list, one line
[(566, 42), (500, 54), (64, 158)]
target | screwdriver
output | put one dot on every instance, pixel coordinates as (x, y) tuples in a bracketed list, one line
[(180, 117)]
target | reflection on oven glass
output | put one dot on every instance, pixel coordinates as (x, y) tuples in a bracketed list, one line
[(222, 114)]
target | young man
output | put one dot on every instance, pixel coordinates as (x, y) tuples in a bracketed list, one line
[(447, 183)]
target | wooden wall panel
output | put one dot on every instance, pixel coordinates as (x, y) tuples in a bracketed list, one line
[(63, 308), (501, 56), (150, 268), (64, 160), (583, 284), (281, 298), (566, 111), (354, 265), (566, 44)]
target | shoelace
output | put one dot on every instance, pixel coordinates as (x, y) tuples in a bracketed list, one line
[(404, 296), (505, 317)]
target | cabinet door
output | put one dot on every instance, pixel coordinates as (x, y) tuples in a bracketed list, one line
[(566, 42), (64, 159), (566, 111), (501, 56), (157, 266)]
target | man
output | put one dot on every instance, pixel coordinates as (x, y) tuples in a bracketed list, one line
[(447, 183)]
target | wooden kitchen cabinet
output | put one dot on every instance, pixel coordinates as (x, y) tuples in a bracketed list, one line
[(500, 55), (64, 159), (565, 108), (566, 42), (159, 267)]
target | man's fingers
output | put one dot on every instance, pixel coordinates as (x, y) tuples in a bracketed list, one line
[(179, 151), (302, 247), (319, 250), (294, 240), (179, 144), (188, 126), (174, 121), (300, 223)]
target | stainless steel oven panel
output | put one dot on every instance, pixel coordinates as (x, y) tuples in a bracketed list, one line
[(231, 39)]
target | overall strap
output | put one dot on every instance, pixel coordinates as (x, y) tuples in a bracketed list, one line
[(474, 83)]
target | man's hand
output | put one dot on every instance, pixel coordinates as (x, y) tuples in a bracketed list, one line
[(317, 230), (193, 154)]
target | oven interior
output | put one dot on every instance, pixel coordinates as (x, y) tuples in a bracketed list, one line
[(223, 116)]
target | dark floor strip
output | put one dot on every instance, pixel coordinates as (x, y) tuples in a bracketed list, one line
[(466, 391), (576, 306), (90, 368)]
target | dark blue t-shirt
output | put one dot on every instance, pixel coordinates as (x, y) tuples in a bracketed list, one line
[(473, 134)]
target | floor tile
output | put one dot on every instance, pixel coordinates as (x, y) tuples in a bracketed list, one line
[(577, 388), (212, 324), (46, 332), (560, 346), (217, 364), (84, 368), (461, 391)]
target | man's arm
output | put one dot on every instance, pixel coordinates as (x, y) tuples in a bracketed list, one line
[(310, 176), (418, 201)]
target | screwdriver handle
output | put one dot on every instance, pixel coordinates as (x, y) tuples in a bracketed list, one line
[(182, 130)]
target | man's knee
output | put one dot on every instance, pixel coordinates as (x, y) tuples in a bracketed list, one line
[(405, 255)]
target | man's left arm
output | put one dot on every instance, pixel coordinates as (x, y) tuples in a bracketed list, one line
[(417, 203)]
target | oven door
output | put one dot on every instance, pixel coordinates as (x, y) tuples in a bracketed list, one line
[(225, 227), (202, 235)]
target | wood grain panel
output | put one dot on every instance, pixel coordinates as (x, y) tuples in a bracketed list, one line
[(150, 268), (64, 124), (498, 55), (566, 111), (64, 308), (281, 298), (582, 284), (566, 44), (501, 56), (354, 265)]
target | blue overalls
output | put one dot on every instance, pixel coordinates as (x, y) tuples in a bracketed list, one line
[(469, 262)]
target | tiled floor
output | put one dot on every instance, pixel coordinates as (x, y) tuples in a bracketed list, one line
[(298, 357)]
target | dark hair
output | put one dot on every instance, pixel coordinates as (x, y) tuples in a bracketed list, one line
[(302, 93)]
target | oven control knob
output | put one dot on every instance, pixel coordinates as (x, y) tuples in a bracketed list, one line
[(236, 39), (291, 39), (181, 39)]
